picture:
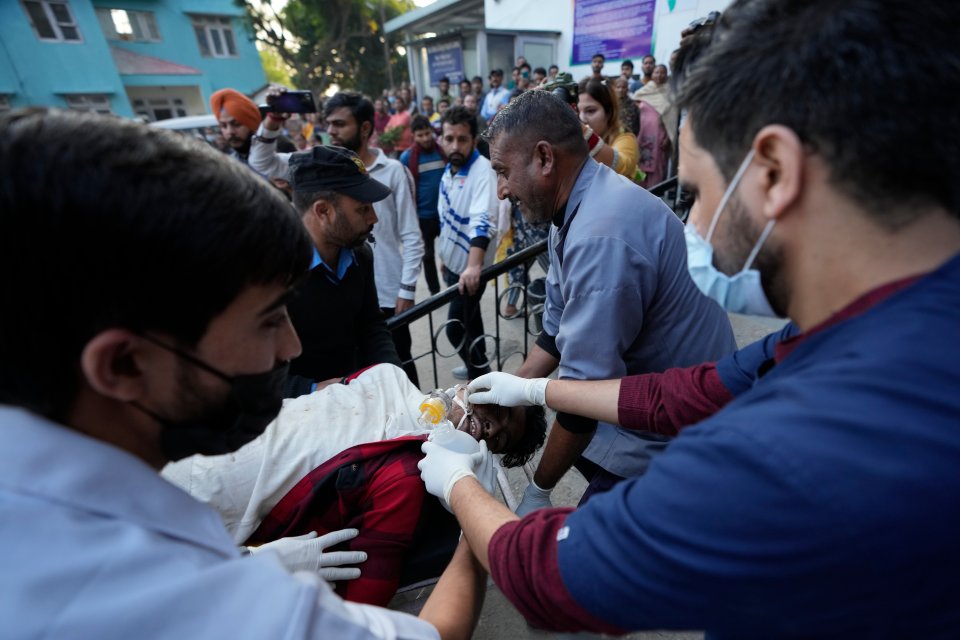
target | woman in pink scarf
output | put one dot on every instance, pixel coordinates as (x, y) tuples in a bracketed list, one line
[(658, 125)]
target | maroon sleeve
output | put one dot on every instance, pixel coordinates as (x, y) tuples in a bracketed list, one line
[(667, 402), (523, 564)]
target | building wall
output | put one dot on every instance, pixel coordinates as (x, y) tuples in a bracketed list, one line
[(670, 18), (41, 72), (179, 44), (36, 72)]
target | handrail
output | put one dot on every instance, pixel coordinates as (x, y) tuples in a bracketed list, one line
[(441, 298)]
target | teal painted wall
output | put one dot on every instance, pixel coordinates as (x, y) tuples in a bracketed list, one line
[(179, 44), (35, 72), (40, 71)]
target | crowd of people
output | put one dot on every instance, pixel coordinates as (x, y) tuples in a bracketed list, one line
[(629, 122), (211, 432)]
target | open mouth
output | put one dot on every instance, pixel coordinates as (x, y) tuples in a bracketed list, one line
[(471, 426)]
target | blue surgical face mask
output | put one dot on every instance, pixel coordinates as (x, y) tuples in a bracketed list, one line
[(739, 293)]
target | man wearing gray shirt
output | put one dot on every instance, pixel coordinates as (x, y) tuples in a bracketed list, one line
[(619, 298)]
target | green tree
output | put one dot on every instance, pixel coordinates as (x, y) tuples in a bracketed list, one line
[(278, 72), (333, 41)]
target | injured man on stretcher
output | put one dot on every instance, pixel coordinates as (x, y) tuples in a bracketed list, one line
[(345, 457)]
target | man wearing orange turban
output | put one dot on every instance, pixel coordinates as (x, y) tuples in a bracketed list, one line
[(239, 117)]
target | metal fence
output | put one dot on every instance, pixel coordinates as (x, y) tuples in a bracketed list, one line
[(532, 306)]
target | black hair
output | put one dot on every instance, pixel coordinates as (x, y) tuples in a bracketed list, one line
[(598, 55), (303, 200), (477, 79), (496, 72), (533, 437), (460, 115), (538, 115), (525, 65), (442, 100), (443, 79), (868, 85), (649, 55), (553, 66), (627, 63), (107, 223), (419, 122), (430, 98), (360, 107), (540, 70)]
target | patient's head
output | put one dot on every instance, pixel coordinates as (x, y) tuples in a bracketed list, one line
[(515, 432)]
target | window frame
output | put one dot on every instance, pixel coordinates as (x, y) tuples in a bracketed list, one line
[(52, 21), (148, 107), (145, 21), (226, 38), (87, 102)]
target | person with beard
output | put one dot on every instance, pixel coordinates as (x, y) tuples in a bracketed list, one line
[(238, 118), (397, 243), (647, 65), (596, 70), (619, 298), (468, 210), (336, 311), (822, 501), (154, 328)]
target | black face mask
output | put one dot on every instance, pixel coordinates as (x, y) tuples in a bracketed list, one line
[(253, 402)]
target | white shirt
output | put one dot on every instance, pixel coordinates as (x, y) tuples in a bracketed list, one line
[(398, 247), (95, 544), (468, 209), (381, 403)]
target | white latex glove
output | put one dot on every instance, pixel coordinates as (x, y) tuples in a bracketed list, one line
[(507, 390), (441, 468), (534, 498), (305, 553)]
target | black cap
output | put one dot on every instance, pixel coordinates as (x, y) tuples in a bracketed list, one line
[(328, 168)]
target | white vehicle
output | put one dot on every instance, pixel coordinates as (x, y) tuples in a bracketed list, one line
[(200, 127)]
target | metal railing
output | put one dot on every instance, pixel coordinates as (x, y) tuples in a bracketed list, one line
[(530, 312)]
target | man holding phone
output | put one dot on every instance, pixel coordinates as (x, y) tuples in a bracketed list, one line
[(238, 117)]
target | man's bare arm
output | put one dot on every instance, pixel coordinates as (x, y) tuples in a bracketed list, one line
[(595, 399), (563, 448), (455, 604), (480, 516), (539, 364)]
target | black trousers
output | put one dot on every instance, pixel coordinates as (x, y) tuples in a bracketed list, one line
[(466, 309), (402, 341), (430, 230)]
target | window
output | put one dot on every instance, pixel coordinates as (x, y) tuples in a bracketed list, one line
[(214, 36), (132, 26), (159, 108), (52, 20), (4, 103), (89, 102)]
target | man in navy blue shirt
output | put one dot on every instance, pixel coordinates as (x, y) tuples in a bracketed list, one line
[(821, 500)]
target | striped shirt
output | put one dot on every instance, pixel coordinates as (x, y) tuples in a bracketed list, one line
[(468, 210)]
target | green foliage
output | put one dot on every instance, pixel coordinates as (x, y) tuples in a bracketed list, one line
[(278, 71), (332, 41)]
